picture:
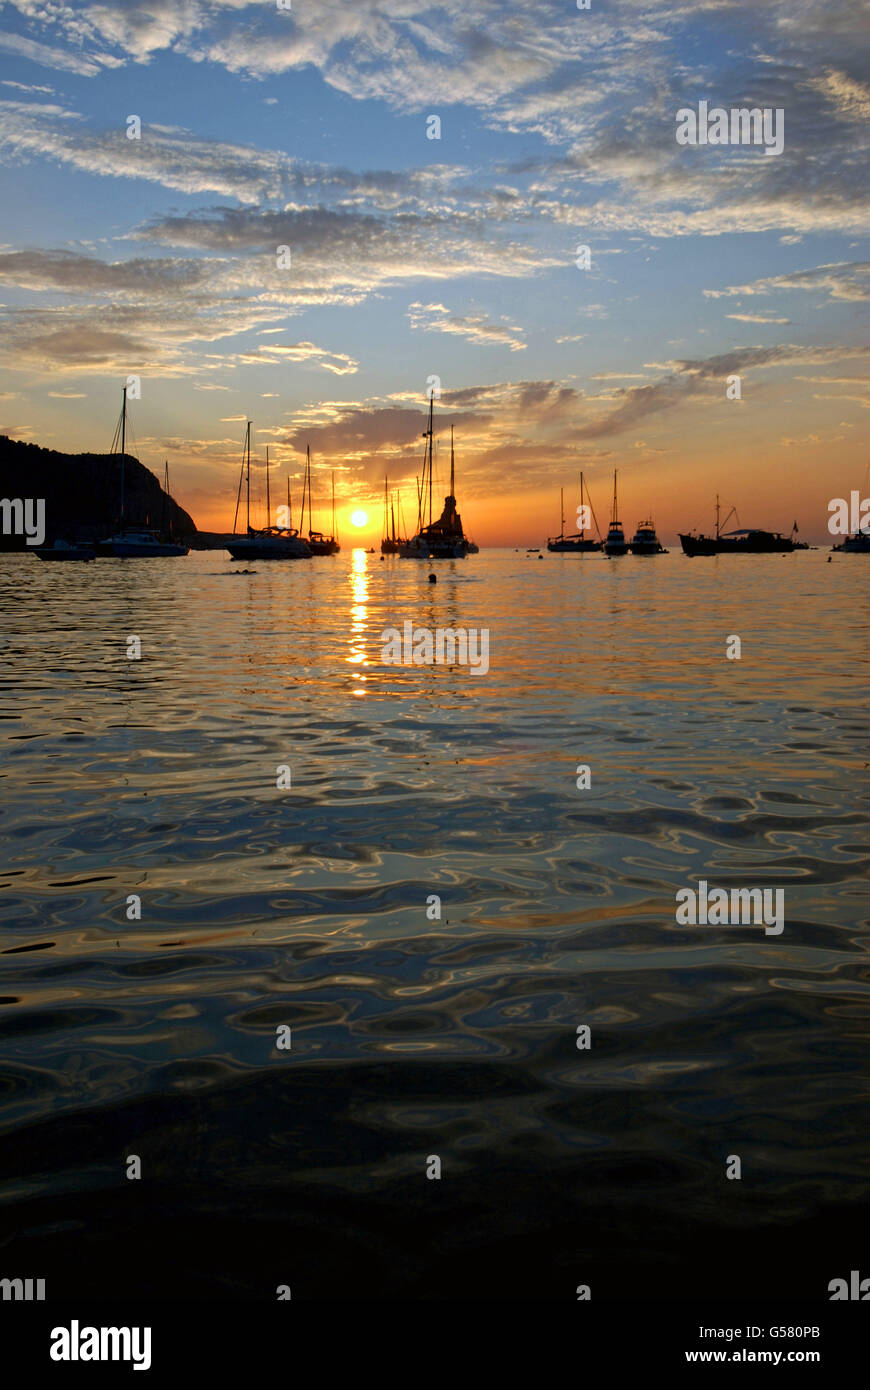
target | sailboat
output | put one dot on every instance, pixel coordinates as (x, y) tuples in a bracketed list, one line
[(318, 543), (616, 543), (443, 539), (272, 542), (136, 542), (391, 543), (578, 544)]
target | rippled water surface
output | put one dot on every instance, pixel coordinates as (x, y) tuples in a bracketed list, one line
[(411, 1037)]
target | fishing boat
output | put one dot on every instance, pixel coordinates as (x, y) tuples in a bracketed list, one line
[(270, 542), (616, 544), (66, 550), (745, 540), (136, 542), (443, 539), (318, 543), (578, 543), (645, 541)]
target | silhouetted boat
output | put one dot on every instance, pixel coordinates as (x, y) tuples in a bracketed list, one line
[(746, 540), (317, 541), (443, 539), (645, 541), (578, 543), (616, 544), (859, 544), (66, 550), (136, 542), (271, 542), (391, 543)]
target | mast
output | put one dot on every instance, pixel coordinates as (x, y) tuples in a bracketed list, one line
[(613, 516), (333, 504), (308, 476), (123, 449), (268, 498), (248, 474), (289, 508), (392, 521), (582, 513), (427, 435), (165, 495), (452, 493), (717, 516), (384, 532), (562, 512)]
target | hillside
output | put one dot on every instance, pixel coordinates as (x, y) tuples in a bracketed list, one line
[(83, 493)]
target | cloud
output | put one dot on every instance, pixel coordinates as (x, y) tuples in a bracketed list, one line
[(337, 362), (58, 58), (848, 280), (756, 318), (476, 328)]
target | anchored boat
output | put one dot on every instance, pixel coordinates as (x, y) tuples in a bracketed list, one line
[(443, 539), (136, 542), (65, 550), (616, 544), (319, 544), (579, 543), (745, 540), (645, 541), (271, 542)]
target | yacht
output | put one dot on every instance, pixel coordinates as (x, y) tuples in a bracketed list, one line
[(645, 541), (616, 544)]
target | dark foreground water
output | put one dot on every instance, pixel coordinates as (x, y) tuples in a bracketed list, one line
[(414, 1038)]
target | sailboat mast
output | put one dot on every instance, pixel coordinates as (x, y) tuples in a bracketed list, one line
[(123, 447), (268, 497), (562, 512), (431, 434), (582, 512), (289, 508), (334, 537), (452, 493), (614, 517), (392, 521), (248, 474), (717, 516), (308, 475)]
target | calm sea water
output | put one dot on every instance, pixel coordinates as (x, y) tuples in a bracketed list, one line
[(411, 1037)]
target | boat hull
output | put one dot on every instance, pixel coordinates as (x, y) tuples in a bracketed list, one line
[(574, 547), (859, 544), (269, 548), (758, 543), (144, 550), (81, 554)]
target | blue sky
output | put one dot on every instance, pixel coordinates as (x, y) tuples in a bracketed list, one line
[(454, 257)]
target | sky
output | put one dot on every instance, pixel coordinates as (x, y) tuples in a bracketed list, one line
[(413, 263)]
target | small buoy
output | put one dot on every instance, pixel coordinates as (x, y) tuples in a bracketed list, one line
[(382, 559), (540, 557), (433, 579)]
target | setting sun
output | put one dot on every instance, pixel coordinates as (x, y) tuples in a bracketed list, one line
[(359, 518)]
